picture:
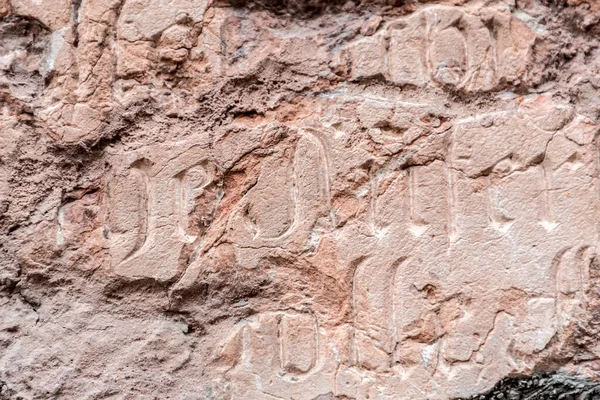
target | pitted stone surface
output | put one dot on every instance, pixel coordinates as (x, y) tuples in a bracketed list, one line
[(297, 200)]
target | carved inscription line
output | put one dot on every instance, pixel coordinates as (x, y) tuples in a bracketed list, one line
[(319, 143), (394, 299), (189, 184), (418, 226), (548, 220), (302, 213), (376, 229), (354, 305), (166, 193), (499, 220), (376, 301), (426, 42), (293, 341), (570, 274), (138, 170), (451, 196)]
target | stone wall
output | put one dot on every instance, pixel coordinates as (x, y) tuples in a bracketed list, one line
[(299, 200)]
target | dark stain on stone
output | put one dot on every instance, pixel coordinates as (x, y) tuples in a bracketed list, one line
[(546, 386)]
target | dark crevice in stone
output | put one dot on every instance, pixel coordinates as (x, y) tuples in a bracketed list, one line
[(543, 386)]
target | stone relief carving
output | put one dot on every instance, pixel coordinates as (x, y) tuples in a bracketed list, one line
[(401, 205), (416, 314), (470, 51)]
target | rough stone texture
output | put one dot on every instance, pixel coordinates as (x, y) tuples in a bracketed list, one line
[(541, 387), (303, 200)]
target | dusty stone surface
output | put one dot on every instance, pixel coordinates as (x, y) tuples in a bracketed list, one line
[(298, 200)]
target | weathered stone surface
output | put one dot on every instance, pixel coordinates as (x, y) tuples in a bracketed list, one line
[(299, 200), (470, 50)]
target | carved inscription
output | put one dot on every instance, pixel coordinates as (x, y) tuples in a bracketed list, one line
[(498, 193), (289, 197), (298, 343), (150, 204), (284, 351), (298, 200), (446, 45), (571, 267), (373, 314), (505, 176)]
